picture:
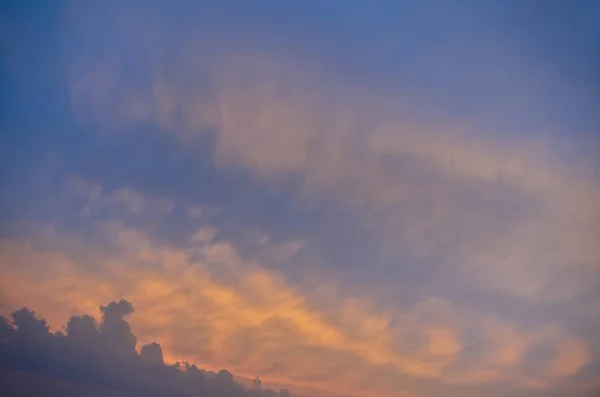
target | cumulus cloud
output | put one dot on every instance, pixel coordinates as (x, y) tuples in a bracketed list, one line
[(115, 328), (152, 353), (206, 304), (100, 359)]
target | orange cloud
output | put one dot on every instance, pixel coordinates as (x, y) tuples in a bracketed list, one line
[(221, 311)]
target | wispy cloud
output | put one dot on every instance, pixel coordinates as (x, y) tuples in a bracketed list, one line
[(480, 201), (205, 304), (405, 208)]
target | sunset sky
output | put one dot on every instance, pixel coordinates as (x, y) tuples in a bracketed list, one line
[(346, 198)]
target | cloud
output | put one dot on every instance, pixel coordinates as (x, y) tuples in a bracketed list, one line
[(95, 198), (434, 190), (205, 304), (115, 328), (100, 359), (421, 219), (152, 353)]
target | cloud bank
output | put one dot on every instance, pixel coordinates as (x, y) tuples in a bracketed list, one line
[(206, 304), (100, 360)]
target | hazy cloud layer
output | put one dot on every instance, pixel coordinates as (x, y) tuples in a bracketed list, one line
[(341, 198), (207, 305)]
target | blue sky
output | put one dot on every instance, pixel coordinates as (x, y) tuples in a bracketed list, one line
[(408, 188)]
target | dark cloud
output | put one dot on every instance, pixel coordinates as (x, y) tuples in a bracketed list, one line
[(152, 353), (114, 328), (100, 360)]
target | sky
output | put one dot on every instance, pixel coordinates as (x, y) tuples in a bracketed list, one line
[(345, 198)]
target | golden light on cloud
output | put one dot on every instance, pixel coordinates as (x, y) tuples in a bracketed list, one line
[(248, 318), (405, 209)]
